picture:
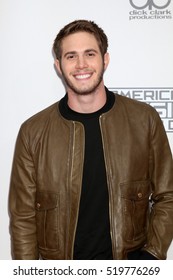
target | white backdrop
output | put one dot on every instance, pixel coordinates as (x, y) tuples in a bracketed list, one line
[(140, 47)]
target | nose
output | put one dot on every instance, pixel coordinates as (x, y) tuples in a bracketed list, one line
[(81, 62)]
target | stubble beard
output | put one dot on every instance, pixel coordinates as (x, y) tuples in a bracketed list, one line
[(89, 90)]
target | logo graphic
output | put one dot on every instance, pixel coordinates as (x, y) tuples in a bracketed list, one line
[(159, 98), (150, 10), (150, 4)]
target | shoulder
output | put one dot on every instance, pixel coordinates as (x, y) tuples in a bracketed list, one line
[(134, 107), (42, 115), (136, 113), (129, 103), (39, 122)]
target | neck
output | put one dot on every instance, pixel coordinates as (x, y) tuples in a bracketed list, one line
[(87, 103)]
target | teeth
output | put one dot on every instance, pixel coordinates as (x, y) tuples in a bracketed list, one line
[(84, 76)]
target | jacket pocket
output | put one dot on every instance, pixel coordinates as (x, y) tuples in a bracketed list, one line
[(47, 208), (135, 207)]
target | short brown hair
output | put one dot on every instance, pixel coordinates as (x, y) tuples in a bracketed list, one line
[(78, 26)]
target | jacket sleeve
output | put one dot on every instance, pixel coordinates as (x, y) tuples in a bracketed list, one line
[(160, 232), (22, 202)]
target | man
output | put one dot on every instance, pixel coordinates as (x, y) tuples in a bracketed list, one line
[(92, 175)]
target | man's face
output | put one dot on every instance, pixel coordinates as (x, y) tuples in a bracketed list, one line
[(82, 65)]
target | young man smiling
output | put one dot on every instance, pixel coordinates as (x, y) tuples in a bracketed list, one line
[(92, 175)]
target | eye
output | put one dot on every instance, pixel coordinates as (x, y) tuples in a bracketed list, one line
[(91, 54), (71, 56)]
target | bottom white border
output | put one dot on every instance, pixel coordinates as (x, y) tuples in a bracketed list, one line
[(86, 270)]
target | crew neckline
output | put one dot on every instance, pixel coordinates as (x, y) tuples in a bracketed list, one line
[(70, 114)]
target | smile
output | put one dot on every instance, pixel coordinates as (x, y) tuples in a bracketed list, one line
[(83, 76)]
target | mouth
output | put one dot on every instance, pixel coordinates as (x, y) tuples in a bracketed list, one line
[(82, 76)]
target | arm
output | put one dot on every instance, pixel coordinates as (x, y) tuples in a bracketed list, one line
[(22, 202), (160, 231)]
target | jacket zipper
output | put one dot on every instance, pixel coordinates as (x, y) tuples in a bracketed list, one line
[(109, 176), (74, 126)]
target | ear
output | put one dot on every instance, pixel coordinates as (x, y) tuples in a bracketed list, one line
[(58, 67), (106, 60)]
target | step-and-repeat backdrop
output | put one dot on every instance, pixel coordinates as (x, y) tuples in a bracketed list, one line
[(140, 36)]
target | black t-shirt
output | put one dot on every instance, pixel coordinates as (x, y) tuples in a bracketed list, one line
[(92, 240)]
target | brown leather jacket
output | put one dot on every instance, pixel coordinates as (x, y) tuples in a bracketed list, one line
[(47, 174)]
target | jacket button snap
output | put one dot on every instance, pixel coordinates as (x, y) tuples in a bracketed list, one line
[(139, 195), (38, 205)]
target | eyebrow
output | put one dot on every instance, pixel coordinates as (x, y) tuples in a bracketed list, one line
[(86, 51)]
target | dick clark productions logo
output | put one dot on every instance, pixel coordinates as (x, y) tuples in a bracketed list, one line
[(150, 9)]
